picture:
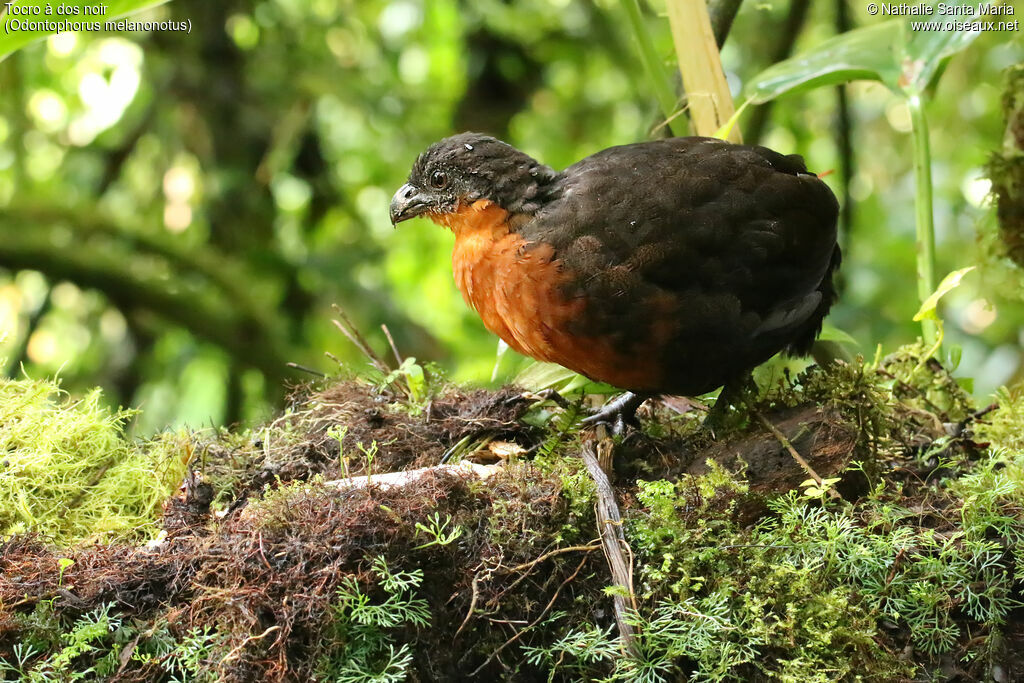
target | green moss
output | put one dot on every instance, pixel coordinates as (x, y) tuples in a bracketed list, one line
[(68, 472), (1004, 428), (535, 507), (767, 590), (819, 590), (804, 595)]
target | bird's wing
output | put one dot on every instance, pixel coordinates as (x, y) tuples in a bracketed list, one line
[(740, 238)]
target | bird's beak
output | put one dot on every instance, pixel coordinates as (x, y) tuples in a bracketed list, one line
[(407, 203)]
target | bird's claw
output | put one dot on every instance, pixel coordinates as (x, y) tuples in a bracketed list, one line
[(617, 413)]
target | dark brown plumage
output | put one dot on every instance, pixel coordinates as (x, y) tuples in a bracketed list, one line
[(673, 266)]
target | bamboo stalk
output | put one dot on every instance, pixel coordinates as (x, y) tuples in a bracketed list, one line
[(700, 65)]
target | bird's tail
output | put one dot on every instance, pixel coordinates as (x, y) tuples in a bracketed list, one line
[(804, 339)]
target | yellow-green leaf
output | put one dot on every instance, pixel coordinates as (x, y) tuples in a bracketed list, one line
[(949, 283)]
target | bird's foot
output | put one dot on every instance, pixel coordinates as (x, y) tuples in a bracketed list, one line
[(716, 419), (617, 413), (731, 397)]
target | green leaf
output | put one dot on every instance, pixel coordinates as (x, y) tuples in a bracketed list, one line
[(726, 129), (12, 39), (924, 51), (862, 54), (499, 356), (539, 376), (890, 52), (949, 283), (834, 334), (585, 385), (414, 376)]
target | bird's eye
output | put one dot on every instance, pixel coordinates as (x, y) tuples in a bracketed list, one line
[(438, 180)]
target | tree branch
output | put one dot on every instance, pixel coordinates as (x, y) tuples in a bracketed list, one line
[(209, 263), (251, 343), (20, 352)]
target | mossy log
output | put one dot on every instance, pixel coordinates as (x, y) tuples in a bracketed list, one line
[(821, 436), (269, 568)]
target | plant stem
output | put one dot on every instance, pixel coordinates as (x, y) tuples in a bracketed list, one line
[(924, 213), (788, 32), (657, 73), (707, 92)]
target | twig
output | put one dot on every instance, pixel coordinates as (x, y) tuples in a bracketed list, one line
[(394, 479), (472, 606), (796, 456), (593, 545), (231, 655), (263, 554), (303, 368), (548, 395), (910, 390), (533, 563), (533, 623), (391, 342), (350, 331), (684, 108), (959, 427), (609, 522), (510, 622), (93, 481), (978, 414), (126, 653)]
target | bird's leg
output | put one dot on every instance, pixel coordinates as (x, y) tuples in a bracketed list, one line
[(730, 395), (617, 412)]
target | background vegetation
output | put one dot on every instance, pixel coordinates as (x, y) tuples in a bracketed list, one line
[(180, 210)]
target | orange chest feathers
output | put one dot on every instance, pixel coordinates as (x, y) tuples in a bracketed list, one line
[(518, 290), (513, 287)]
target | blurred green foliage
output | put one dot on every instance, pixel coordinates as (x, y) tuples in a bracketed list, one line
[(179, 210)]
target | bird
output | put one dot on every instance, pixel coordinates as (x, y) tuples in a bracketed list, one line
[(666, 267)]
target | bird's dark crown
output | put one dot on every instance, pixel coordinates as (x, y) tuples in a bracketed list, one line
[(464, 168)]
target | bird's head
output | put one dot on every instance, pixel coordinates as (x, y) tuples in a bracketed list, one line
[(459, 170)]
